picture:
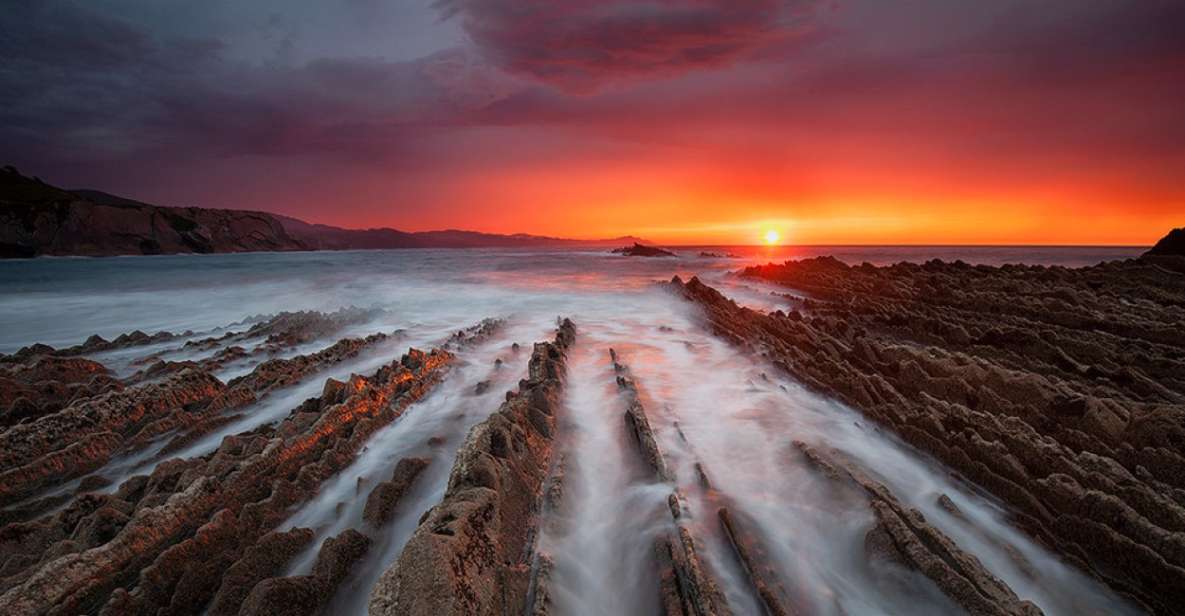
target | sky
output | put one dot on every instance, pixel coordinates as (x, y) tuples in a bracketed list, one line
[(681, 121)]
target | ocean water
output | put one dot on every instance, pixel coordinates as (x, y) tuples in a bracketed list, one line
[(738, 417), (61, 301)]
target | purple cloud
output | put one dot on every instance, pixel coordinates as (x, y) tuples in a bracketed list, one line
[(581, 45)]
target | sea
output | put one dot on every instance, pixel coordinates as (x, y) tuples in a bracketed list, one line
[(710, 404)]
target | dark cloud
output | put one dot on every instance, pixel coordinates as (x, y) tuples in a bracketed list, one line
[(77, 86), (229, 104), (583, 44)]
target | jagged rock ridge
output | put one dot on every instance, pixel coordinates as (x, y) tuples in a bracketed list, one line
[(1059, 390)]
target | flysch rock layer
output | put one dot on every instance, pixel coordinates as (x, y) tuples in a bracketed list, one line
[(166, 543), (687, 587), (49, 448), (901, 535), (1061, 391), (472, 553)]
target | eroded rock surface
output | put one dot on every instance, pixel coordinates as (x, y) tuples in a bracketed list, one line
[(1061, 391), (167, 542), (44, 384), (472, 552), (105, 416), (686, 586), (386, 496), (306, 595), (901, 535)]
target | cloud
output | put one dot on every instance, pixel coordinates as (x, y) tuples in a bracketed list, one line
[(78, 86), (582, 45)]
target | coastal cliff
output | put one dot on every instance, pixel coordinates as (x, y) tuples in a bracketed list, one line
[(38, 219)]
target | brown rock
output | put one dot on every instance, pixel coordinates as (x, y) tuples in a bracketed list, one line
[(1017, 377), (472, 553), (263, 560), (385, 497)]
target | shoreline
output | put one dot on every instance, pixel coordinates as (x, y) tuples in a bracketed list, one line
[(1059, 391)]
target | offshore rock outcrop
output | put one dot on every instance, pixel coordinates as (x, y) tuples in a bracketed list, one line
[(472, 553), (168, 542), (641, 250), (1061, 391)]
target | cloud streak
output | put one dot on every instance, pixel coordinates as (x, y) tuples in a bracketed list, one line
[(594, 118), (582, 45)]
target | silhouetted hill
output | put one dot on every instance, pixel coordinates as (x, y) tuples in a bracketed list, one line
[(1172, 244), (39, 219)]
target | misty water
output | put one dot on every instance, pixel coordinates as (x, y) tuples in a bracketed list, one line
[(707, 402)]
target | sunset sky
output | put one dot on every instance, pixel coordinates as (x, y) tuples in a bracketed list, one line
[(682, 121)]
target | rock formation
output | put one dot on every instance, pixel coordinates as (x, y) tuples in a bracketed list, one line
[(194, 532), (1172, 244), (639, 250), (903, 537), (686, 586), (472, 552), (1061, 391)]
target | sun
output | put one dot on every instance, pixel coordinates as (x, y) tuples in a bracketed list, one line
[(772, 237)]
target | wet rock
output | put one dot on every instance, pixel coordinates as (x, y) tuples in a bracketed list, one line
[(757, 564), (639, 427), (686, 586), (1019, 378), (42, 384), (91, 483), (338, 555), (386, 496), (481, 388), (264, 560), (474, 335), (307, 594), (193, 519), (639, 250), (284, 596), (543, 603), (276, 373), (472, 552), (83, 436), (904, 537), (288, 329)]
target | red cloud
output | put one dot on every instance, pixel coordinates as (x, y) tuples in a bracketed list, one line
[(579, 45)]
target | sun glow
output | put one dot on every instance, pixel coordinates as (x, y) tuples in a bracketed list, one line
[(771, 237)]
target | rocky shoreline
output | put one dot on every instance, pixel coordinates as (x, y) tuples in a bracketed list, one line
[(200, 531), (128, 484), (1060, 391)]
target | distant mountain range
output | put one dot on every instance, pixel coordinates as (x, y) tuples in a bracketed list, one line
[(38, 219)]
